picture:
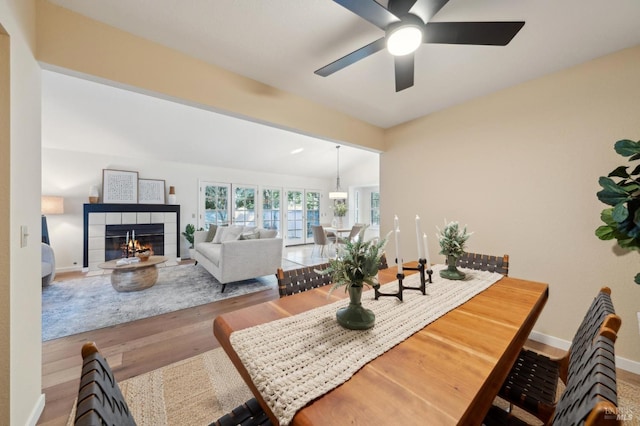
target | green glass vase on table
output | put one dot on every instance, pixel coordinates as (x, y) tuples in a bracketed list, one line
[(356, 266), (452, 242)]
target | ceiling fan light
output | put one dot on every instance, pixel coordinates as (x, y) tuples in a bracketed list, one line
[(404, 40)]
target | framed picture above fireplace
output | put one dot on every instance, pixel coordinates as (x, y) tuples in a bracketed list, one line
[(151, 191), (119, 186)]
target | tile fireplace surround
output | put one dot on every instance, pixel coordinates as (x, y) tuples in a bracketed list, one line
[(98, 216)]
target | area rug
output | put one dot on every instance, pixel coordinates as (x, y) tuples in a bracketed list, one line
[(201, 389), (75, 306), (196, 391)]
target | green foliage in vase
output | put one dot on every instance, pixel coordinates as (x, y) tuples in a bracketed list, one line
[(340, 209), (622, 219), (357, 264), (452, 239), (188, 233)]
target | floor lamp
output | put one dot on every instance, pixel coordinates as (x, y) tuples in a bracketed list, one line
[(49, 205)]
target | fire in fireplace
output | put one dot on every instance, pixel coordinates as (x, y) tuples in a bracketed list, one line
[(148, 237)]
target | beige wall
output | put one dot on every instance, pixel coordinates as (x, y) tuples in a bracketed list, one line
[(20, 397), (521, 168), (74, 42)]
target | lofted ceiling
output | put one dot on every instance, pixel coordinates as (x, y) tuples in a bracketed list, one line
[(85, 116), (282, 42)]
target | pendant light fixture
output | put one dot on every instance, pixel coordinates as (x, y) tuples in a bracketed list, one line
[(338, 194)]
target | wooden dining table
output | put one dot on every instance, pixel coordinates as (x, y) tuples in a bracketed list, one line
[(448, 373)]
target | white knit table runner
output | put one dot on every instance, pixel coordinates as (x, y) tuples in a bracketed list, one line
[(294, 360)]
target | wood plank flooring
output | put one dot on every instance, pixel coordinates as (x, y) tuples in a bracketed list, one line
[(138, 347)]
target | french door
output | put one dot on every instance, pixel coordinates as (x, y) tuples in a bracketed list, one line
[(215, 206), (302, 212), (225, 204)]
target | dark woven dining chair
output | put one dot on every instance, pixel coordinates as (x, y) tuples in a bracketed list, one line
[(533, 380), (590, 397), (484, 262), (248, 414), (302, 279), (100, 401)]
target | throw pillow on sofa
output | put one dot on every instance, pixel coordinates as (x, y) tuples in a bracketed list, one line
[(217, 239), (268, 233), (232, 233), (212, 233), (253, 235)]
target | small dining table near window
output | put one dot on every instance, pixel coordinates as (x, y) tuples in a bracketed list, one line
[(305, 370)]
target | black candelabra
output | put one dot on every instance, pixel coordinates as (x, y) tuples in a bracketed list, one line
[(421, 268)]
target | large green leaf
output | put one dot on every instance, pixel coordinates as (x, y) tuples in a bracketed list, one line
[(605, 232), (627, 147), (620, 172), (637, 279), (636, 171), (620, 213)]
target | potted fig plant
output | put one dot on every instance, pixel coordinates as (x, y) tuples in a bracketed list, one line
[(356, 267), (188, 234), (621, 191), (452, 242)]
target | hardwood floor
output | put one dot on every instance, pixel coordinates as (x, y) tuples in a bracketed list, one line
[(144, 345)]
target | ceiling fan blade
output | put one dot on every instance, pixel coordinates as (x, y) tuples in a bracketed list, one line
[(481, 33), (400, 7), (370, 11), (352, 57), (426, 9), (404, 71)]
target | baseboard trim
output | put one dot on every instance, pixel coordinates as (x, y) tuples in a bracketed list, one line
[(36, 412), (622, 363)]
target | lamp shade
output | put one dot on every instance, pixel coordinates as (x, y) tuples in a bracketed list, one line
[(51, 205), (337, 195)]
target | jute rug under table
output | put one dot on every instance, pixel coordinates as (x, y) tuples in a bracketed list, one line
[(201, 389)]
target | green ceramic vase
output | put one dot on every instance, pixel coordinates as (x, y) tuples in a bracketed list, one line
[(452, 272), (354, 316)]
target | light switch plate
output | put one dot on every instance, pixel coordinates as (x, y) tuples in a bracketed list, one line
[(24, 233)]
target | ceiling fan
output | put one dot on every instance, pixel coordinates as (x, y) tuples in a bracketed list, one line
[(406, 26)]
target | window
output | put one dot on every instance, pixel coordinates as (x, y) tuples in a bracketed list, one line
[(216, 204), (271, 209), (375, 209), (356, 207), (244, 206)]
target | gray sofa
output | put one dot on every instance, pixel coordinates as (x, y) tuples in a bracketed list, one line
[(238, 253), (48, 267)]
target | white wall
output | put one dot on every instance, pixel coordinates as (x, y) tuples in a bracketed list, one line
[(70, 174), (21, 400), (521, 168)]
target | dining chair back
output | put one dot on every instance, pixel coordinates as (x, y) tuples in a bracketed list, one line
[(100, 401), (302, 279), (484, 262), (533, 380), (319, 238), (355, 230), (590, 397)]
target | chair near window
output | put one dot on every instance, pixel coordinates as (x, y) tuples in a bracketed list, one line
[(484, 262), (590, 397), (320, 238), (355, 230), (302, 279), (533, 380)]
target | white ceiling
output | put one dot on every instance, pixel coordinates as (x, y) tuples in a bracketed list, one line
[(85, 116), (281, 43)]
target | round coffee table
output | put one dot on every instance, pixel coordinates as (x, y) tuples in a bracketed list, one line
[(134, 276)]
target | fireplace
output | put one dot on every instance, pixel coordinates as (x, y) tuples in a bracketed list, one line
[(159, 224), (148, 237)]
